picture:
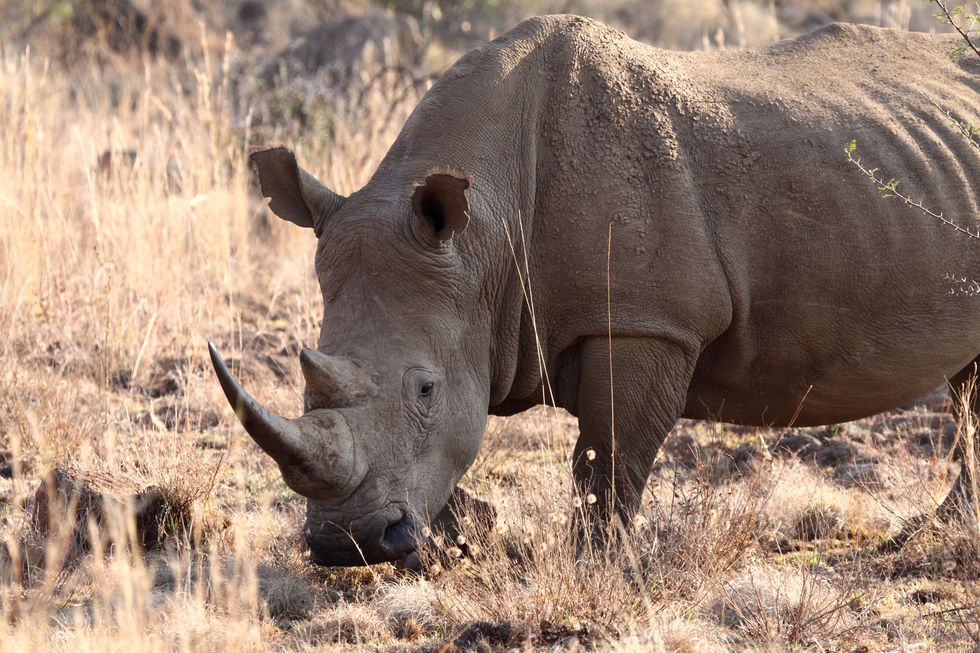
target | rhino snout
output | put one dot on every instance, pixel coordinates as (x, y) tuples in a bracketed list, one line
[(386, 539)]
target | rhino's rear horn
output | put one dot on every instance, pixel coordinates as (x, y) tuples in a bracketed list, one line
[(333, 382)]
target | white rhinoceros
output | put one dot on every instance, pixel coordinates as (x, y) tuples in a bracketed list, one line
[(697, 245)]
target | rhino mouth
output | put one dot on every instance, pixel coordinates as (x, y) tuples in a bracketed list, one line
[(395, 541), (399, 539)]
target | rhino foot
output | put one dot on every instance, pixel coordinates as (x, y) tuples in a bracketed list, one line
[(463, 508), (463, 505)]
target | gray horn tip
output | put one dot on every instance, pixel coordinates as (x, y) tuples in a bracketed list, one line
[(233, 391), (306, 356), (217, 362)]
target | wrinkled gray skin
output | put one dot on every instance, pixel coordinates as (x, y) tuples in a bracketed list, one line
[(749, 261)]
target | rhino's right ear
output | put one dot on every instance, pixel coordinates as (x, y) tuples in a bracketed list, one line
[(295, 194)]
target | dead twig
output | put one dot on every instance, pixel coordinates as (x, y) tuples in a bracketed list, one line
[(948, 17), (889, 189)]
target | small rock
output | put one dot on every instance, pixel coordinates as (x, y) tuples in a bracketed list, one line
[(860, 474), (491, 635), (89, 496), (278, 367), (73, 498), (570, 634), (121, 26), (833, 453), (850, 432), (795, 443), (685, 448), (820, 523), (745, 459), (937, 441), (170, 415), (925, 596), (339, 50), (111, 161), (165, 377), (777, 543)]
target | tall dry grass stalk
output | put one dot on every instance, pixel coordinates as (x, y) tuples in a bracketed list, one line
[(967, 434)]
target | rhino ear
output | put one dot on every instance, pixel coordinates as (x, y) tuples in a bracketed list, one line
[(440, 205), (295, 194)]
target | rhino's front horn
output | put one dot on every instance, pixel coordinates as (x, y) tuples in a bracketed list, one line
[(316, 452)]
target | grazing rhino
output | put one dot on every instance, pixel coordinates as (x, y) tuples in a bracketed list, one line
[(671, 234)]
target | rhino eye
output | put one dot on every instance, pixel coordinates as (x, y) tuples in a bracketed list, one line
[(426, 390)]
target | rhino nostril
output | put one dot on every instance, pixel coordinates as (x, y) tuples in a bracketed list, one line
[(399, 537)]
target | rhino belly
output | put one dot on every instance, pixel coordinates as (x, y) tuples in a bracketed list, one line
[(826, 373)]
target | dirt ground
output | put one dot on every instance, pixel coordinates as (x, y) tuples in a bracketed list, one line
[(749, 539)]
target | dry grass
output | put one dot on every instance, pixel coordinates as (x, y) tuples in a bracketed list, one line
[(112, 278)]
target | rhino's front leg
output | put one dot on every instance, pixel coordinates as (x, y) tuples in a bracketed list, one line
[(624, 417)]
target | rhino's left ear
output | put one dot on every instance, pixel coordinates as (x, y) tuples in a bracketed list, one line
[(296, 195), (440, 205)]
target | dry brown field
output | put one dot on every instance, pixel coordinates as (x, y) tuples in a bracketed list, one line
[(137, 515)]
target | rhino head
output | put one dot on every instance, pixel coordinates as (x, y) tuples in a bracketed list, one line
[(397, 390)]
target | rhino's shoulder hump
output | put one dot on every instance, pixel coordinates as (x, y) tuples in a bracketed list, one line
[(555, 38), (564, 32), (567, 25)]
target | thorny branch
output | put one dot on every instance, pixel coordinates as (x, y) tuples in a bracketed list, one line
[(970, 131), (889, 189), (963, 286), (948, 17)]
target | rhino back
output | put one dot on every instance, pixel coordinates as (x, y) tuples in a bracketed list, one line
[(737, 224)]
